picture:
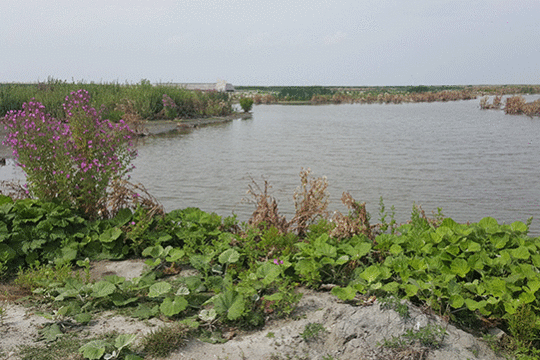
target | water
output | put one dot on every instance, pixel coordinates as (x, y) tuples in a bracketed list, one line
[(470, 162)]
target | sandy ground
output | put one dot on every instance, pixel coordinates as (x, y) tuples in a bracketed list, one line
[(351, 332)]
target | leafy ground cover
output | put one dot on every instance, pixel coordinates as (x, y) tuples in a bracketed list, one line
[(478, 275)]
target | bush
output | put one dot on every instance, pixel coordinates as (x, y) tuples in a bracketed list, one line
[(71, 160), (246, 104)]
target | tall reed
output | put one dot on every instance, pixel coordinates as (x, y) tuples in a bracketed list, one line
[(144, 99)]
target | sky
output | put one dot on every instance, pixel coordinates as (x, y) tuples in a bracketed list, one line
[(279, 42)]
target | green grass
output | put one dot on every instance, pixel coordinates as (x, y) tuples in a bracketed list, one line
[(145, 100)]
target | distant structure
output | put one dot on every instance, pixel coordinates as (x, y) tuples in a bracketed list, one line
[(220, 85)]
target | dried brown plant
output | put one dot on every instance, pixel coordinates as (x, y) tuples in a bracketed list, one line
[(356, 223), (532, 109), (514, 105), (266, 213), (14, 189), (124, 194), (434, 221), (310, 199), (497, 101), (310, 202), (131, 117), (485, 105)]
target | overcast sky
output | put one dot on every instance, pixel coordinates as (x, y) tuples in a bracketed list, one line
[(279, 42)]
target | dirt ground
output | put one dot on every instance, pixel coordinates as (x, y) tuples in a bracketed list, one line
[(349, 332)]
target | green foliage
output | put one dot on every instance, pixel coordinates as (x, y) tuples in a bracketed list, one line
[(524, 326), (302, 93), (419, 89), (324, 259), (34, 232), (312, 331), (395, 304), (96, 349), (42, 276), (430, 336), (468, 272), (145, 99), (246, 104)]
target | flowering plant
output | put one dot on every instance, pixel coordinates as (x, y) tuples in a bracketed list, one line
[(69, 160), (170, 107)]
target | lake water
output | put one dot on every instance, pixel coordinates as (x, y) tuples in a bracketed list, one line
[(470, 162)]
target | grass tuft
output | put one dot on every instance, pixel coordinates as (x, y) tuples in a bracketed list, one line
[(166, 339)]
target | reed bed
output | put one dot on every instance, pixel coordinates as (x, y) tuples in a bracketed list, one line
[(514, 105), (387, 95), (142, 100)]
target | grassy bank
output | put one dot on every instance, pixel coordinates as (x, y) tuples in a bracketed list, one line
[(142, 100), (478, 275)]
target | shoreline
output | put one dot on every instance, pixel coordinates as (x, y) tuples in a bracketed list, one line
[(158, 127), (154, 127)]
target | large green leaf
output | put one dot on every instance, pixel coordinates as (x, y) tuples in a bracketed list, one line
[(6, 253), (94, 350), (496, 287), (371, 273), (144, 311), (346, 294), (410, 289), (518, 226), (124, 340), (175, 255), (358, 251), (325, 250), (229, 256), (159, 289), (102, 289), (268, 272), (173, 306), (460, 267), (490, 225), (200, 262), (396, 249), (110, 235), (521, 252), (123, 216), (51, 333), (153, 251), (230, 303), (456, 301)]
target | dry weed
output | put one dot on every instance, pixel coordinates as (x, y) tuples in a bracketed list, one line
[(310, 202), (514, 105), (532, 109), (14, 189), (357, 222), (131, 117), (266, 213), (124, 194)]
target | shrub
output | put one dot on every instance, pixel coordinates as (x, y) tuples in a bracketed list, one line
[(69, 160), (246, 104)]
